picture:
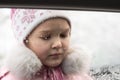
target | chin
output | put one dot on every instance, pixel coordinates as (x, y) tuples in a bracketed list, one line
[(54, 64)]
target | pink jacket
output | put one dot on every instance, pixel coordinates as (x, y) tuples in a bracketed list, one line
[(22, 63), (8, 76)]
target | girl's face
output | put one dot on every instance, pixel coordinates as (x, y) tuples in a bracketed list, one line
[(50, 41)]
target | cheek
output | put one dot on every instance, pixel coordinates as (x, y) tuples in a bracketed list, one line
[(41, 53), (66, 43), (38, 48)]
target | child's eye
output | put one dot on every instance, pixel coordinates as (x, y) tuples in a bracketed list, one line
[(63, 35), (46, 37)]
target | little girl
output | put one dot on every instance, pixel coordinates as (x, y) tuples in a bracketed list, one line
[(43, 52)]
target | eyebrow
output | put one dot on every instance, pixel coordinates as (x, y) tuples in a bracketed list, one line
[(48, 31)]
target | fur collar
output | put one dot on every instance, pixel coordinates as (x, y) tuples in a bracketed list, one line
[(22, 62)]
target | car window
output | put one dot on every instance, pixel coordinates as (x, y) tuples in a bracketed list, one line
[(98, 32)]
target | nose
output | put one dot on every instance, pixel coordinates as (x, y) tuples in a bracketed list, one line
[(57, 44)]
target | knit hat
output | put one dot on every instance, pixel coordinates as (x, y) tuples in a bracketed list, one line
[(25, 20)]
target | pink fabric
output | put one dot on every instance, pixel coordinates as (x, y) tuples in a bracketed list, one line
[(9, 77), (12, 12), (6, 75), (51, 73), (54, 74), (45, 74)]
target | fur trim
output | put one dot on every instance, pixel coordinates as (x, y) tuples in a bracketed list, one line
[(24, 63), (77, 62)]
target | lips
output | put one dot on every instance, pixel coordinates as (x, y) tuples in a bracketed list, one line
[(56, 54)]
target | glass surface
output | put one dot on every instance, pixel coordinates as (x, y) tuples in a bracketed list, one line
[(97, 32)]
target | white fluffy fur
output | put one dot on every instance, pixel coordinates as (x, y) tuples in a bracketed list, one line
[(22, 62), (77, 62)]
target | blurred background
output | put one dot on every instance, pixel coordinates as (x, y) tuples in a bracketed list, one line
[(96, 32)]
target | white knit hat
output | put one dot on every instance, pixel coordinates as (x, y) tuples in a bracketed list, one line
[(25, 20)]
